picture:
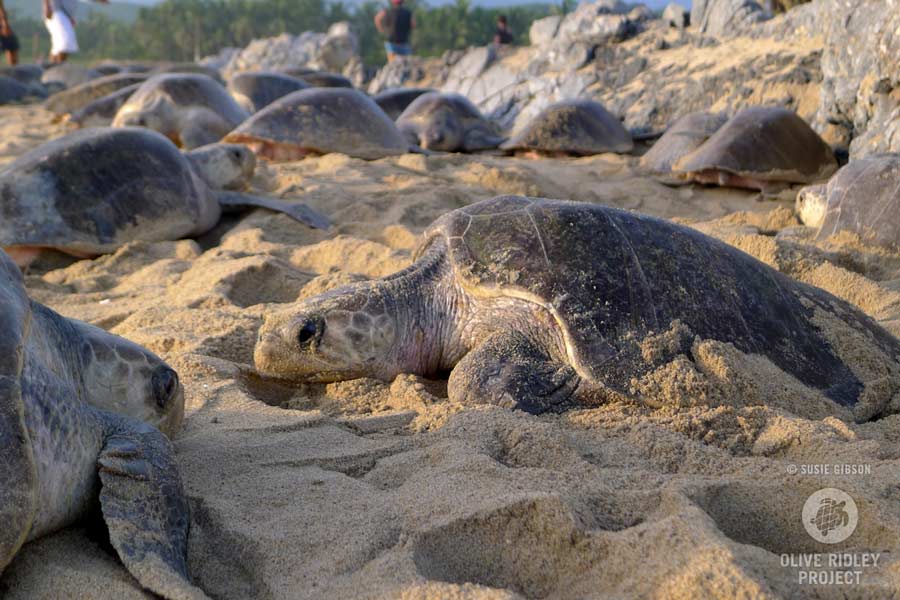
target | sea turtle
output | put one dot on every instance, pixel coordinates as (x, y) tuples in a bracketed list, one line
[(762, 148), (102, 110), (257, 89), (863, 197), (580, 127), (94, 190), (319, 121), (23, 73), (74, 98), (79, 411), (683, 137), (191, 110), (189, 68), (12, 90), (323, 79), (447, 122), (394, 101), (68, 75), (543, 305)]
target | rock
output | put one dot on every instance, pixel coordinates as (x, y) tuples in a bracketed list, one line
[(468, 69), (332, 51), (543, 30), (640, 13), (675, 15), (726, 17), (399, 73), (593, 24)]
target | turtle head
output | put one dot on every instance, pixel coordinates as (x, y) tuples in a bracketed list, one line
[(812, 201), (127, 379), (442, 132), (156, 115), (344, 334), (224, 166)]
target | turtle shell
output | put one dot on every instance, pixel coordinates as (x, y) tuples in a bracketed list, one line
[(394, 101), (18, 475), (186, 90), (864, 197), (323, 120), (581, 127), (255, 91), (683, 137), (447, 122), (81, 95), (611, 277), (94, 190), (766, 144)]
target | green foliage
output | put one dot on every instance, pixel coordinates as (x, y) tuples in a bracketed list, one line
[(183, 30)]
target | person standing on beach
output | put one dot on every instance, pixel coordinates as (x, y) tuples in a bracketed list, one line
[(502, 35), (59, 18), (396, 24), (9, 43)]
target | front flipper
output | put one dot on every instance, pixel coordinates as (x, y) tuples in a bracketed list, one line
[(511, 371), (481, 138), (235, 201), (145, 509)]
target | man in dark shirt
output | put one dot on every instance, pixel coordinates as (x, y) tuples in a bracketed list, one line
[(9, 43), (502, 35), (396, 24)]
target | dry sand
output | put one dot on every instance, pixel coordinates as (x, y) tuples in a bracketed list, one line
[(365, 489)]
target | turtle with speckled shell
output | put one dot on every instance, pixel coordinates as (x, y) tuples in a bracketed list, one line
[(191, 110), (576, 127), (319, 121), (863, 197), (447, 122), (95, 190), (256, 90), (684, 136), (542, 305), (79, 411), (760, 148)]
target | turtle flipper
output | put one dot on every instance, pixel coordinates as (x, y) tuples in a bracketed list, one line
[(481, 138), (145, 509), (512, 371), (233, 201)]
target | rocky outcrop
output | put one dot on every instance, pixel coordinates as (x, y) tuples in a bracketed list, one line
[(334, 51), (675, 15), (726, 17)]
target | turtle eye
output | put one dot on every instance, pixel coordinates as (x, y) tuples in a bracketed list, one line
[(164, 384), (307, 331)]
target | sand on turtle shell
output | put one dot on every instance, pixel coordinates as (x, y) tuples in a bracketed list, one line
[(370, 489)]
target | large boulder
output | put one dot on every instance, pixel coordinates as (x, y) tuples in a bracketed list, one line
[(675, 15), (543, 31), (726, 17), (331, 51), (400, 72)]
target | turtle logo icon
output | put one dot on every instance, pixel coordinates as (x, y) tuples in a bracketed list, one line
[(830, 515)]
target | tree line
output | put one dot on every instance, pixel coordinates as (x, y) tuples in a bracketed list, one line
[(182, 30)]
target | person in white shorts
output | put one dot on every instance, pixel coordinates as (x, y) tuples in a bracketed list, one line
[(59, 17)]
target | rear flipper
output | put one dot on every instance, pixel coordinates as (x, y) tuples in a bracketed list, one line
[(511, 371), (236, 201), (145, 509)]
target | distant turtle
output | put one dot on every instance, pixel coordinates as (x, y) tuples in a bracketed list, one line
[(79, 96), (108, 68), (102, 110), (23, 73), (297, 71), (95, 190), (863, 197), (579, 127), (188, 68), (323, 79), (683, 137), (760, 148), (448, 122), (79, 411), (319, 121), (191, 110), (257, 89), (68, 74), (394, 101), (543, 305), (12, 90)]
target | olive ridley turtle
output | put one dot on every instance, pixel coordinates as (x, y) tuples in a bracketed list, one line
[(447, 122), (79, 411), (580, 127), (762, 148), (319, 121), (683, 137), (257, 89), (542, 305), (394, 101), (191, 110), (74, 98), (95, 190)]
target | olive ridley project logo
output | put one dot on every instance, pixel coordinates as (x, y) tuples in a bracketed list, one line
[(830, 516)]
